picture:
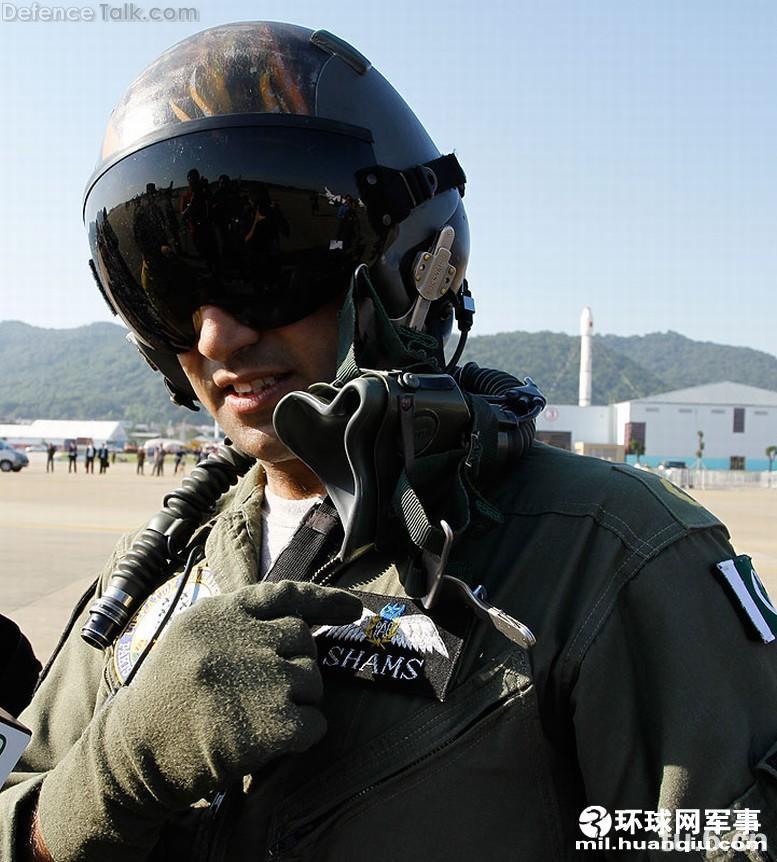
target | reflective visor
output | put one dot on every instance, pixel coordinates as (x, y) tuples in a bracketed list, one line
[(262, 220)]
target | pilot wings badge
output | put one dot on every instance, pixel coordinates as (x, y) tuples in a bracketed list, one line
[(389, 626), (393, 643)]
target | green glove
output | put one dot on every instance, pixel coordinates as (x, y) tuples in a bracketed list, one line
[(231, 686)]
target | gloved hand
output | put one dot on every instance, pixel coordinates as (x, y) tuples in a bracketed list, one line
[(231, 686)]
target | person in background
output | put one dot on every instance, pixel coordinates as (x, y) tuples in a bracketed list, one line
[(159, 461), (103, 455), (180, 463), (51, 450), (89, 454), (141, 461), (72, 457)]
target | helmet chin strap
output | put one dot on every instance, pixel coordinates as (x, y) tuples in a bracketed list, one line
[(369, 339), (433, 278)]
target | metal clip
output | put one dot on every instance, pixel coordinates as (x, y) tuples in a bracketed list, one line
[(433, 275), (511, 628), (435, 566)]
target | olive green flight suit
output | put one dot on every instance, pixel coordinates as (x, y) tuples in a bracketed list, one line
[(644, 691)]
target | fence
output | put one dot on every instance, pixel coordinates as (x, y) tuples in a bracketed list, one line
[(710, 479)]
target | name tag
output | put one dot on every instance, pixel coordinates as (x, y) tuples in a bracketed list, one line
[(395, 644)]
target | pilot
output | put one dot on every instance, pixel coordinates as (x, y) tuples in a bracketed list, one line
[(294, 690)]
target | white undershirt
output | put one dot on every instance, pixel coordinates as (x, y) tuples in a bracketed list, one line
[(280, 519)]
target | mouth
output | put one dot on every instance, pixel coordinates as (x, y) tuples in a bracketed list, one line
[(250, 396)]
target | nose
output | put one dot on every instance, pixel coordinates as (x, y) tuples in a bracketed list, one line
[(221, 335)]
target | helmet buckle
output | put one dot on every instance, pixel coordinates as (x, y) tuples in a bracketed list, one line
[(421, 182)]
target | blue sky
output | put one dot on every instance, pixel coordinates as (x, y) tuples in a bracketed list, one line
[(619, 154)]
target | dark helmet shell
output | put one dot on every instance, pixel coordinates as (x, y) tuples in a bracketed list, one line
[(215, 77)]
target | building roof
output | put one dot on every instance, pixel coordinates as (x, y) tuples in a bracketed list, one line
[(724, 393), (56, 429)]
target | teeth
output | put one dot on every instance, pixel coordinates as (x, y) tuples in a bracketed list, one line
[(255, 386)]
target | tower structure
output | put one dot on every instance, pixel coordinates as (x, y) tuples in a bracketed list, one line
[(586, 331)]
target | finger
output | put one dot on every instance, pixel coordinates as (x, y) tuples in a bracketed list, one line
[(310, 602), (292, 637), (305, 683), (311, 728)]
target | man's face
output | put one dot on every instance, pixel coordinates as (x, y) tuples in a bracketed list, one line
[(239, 374)]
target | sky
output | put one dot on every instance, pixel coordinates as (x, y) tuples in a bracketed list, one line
[(620, 154)]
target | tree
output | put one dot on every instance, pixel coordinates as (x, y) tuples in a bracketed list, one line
[(771, 454)]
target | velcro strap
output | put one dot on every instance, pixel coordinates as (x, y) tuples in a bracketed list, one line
[(391, 195), (306, 548), (411, 510), (432, 477)]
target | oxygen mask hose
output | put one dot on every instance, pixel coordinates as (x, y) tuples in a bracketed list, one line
[(149, 561)]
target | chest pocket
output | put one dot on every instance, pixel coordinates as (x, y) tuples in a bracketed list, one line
[(458, 780)]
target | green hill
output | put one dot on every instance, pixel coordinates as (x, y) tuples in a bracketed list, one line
[(87, 372), (92, 372), (552, 360), (680, 361)]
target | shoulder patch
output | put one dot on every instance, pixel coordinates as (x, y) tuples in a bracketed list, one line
[(677, 491), (144, 624), (750, 597), (680, 505)]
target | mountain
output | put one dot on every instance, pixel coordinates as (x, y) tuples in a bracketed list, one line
[(92, 373), (623, 367), (680, 361), (552, 360)]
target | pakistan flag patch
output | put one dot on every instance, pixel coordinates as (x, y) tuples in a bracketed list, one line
[(394, 643), (750, 596)]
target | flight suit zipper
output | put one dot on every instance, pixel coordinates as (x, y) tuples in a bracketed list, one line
[(276, 852)]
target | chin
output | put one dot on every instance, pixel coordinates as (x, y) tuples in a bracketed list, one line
[(259, 443)]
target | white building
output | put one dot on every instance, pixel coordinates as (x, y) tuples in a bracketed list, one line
[(738, 423), (566, 424), (57, 431)]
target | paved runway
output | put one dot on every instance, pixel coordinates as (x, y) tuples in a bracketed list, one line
[(57, 531)]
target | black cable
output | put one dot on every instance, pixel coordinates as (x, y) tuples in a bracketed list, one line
[(147, 564), (464, 309), (195, 555), (454, 360)]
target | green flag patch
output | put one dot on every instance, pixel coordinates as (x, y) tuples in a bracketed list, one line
[(750, 596)]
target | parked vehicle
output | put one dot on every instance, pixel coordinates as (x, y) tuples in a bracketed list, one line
[(11, 459)]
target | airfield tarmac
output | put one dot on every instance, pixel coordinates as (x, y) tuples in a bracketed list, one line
[(57, 532)]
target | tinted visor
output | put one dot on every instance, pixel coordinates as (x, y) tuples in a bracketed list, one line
[(262, 220)]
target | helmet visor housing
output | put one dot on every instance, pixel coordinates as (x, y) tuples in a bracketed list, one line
[(257, 214)]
